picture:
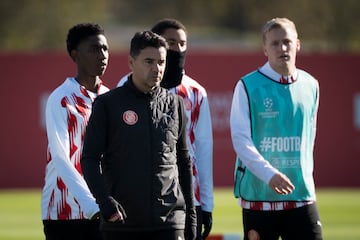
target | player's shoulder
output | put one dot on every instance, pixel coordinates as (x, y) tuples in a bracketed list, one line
[(112, 93), (306, 74), (123, 80), (188, 81), (103, 89), (67, 88), (308, 77)]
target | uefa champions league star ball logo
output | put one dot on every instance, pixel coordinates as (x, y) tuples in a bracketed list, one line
[(268, 111), (268, 103)]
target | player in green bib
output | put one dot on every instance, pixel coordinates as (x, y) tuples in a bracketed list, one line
[(273, 125)]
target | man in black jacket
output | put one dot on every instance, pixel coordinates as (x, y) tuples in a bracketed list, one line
[(135, 157)]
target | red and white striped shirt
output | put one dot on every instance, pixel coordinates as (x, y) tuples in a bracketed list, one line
[(65, 194)]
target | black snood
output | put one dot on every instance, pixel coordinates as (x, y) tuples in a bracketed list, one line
[(175, 62)]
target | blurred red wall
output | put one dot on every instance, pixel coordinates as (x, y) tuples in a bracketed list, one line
[(28, 79)]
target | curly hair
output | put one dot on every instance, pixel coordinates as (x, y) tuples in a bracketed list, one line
[(166, 23), (80, 32)]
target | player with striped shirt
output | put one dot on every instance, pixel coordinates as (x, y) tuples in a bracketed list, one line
[(69, 210)]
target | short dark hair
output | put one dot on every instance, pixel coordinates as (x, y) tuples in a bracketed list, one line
[(80, 32), (142, 40), (166, 23)]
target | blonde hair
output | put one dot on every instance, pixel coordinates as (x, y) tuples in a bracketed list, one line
[(277, 23)]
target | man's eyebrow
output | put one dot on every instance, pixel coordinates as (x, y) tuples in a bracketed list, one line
[(98, 45), (171, 39), (149, 59)]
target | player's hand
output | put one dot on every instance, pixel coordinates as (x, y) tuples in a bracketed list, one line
[(281, 184), (190, 232), (116, 217), (112, 211), (190, 224), (120, 214), (207, 224)]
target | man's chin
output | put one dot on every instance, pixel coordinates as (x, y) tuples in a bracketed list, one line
[(157, 82)]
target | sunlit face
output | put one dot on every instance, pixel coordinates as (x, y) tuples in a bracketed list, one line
[(91, 56), (281, 46), (176, 38), (148, 68)]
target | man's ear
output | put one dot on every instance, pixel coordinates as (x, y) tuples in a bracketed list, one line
[(130, 62), (298, 45), (73, 55), (264, 50)]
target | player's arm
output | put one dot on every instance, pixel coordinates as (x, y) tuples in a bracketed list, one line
[(204, 155), (241, 137), (59, 146), (92, 155), (185, 174)]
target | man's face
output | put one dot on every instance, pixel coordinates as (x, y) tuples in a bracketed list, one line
[(148, 68), (176, 38), (91, 56), (281, 46)]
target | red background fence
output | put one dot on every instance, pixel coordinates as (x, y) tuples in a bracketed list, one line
[(28, 78)]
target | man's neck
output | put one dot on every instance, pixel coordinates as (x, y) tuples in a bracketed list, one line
[(90, 83)]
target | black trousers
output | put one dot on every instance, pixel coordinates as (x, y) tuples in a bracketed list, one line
[(294, 224), (148, 235), (72, 229)]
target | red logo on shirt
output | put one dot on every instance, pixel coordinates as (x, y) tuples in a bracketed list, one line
[(130, 117)]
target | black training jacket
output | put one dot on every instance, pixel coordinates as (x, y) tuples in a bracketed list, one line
[(140, 141)]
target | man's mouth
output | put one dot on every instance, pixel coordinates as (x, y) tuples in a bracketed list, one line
[(284, 57)]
